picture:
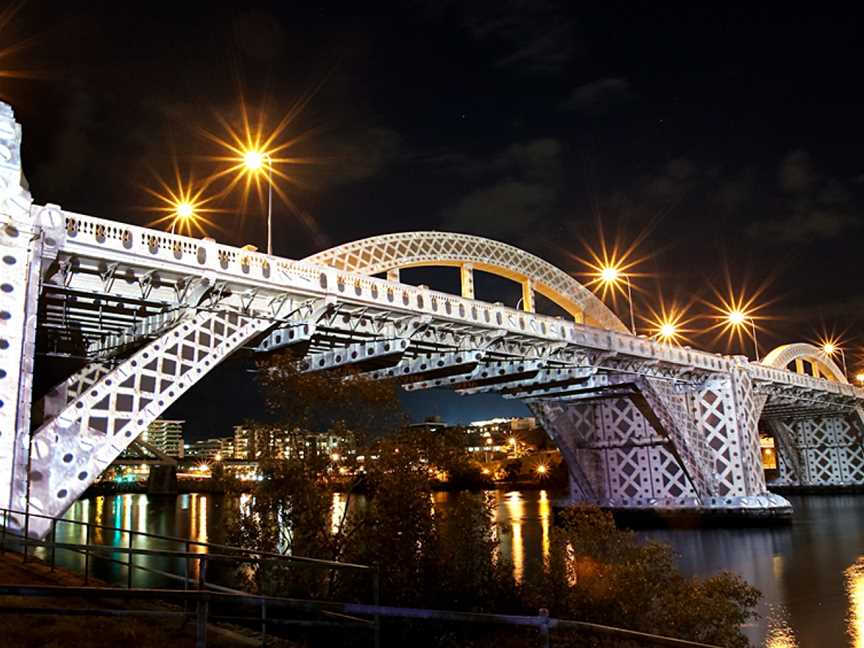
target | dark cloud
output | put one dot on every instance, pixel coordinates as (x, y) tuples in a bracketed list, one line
[(796, 172), (359, 155), (532, 37), (519, 187), (510, 207), (598, 96), (814, 207)]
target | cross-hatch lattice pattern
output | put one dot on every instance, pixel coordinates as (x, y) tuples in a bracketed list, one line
[(382, 253), (72, 449), (819, 451)]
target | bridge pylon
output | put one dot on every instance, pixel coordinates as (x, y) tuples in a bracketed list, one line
[(647, 444)]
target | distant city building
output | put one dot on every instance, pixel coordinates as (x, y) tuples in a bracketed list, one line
[(282, 444), (166, 436), (227, 448), (430, 424), (504, 436), (204, 449)]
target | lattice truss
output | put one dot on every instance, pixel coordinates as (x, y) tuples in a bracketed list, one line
[(659, 444), (819, 451), (379, 254), (108, 409)]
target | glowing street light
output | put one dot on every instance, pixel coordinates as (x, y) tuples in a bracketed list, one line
[(182, 206), (541, 470), (832, 347), (611, 276), (668, 332), (859, 378), (254, 161), (736, 319)]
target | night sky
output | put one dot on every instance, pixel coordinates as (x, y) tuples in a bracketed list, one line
[(727, 142)]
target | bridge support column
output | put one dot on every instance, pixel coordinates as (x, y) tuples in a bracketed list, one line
[(28, 242), (665, 448), (466, 275), (528, 295), (819, 453), (393, 275)]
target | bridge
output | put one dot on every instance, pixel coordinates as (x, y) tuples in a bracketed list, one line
[(641, 425)]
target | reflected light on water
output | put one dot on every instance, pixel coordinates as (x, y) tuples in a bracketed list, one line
[(780, 634), (515, 510), (337, 511), (854, 577), (545, 520), (100, 516)]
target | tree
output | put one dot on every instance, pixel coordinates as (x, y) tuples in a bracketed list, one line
[(599, 573)]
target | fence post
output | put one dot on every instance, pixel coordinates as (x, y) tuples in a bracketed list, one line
[(201, 617), (376, 599), (54, 544), (186, 578), (26, 530), (131, 565), (87, 553), (544, 627), (5, 524), (263, 622)]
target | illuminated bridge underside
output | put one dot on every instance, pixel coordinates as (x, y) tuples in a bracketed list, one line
[(640, 424), (819, 444)]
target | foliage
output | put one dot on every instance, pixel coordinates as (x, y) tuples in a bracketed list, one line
[(328, 401), (601, 574), (449, 558)]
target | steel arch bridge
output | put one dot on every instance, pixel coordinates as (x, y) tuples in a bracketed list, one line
[(641, 425)]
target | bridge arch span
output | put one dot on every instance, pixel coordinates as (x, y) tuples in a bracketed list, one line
[(795, 354), (392, 252)]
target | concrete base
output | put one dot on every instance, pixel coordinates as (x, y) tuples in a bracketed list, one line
[(762, 510), (817, 489)]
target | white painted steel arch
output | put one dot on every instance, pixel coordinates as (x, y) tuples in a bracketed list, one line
[(782, 356), (378, 254)]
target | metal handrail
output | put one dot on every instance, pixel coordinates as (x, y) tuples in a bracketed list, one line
[(542, 621), (342, 614)]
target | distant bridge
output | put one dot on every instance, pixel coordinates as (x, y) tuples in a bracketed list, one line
[(641, 424)]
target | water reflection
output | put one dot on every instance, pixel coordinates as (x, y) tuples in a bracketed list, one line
[(515, 510), (780, 634), (338, 511), (811, 574), (854, 577)]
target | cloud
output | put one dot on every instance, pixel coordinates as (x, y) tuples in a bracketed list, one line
[(796, 172), (819, 223), (508, 207), (518, 187), (360, 155), (533, 37), (815, 207), (598, 96)]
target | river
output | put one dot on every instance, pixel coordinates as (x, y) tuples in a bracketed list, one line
[(811, 573)]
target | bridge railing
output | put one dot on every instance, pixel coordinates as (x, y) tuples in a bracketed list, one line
[(192, 256)]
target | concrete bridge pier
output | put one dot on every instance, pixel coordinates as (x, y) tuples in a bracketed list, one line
[(649, 447), (819, 453)]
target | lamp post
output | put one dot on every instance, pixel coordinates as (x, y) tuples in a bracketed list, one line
[(737, 319), (610, 275), (254, 160), (830, 349)]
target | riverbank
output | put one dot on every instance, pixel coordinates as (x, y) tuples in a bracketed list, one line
[(24, 630)]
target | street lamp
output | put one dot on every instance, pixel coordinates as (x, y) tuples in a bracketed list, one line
[(831, 348), (667, 332), (859, 378), (611, 275), (254, 161), (183, 211), (737, 319)]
